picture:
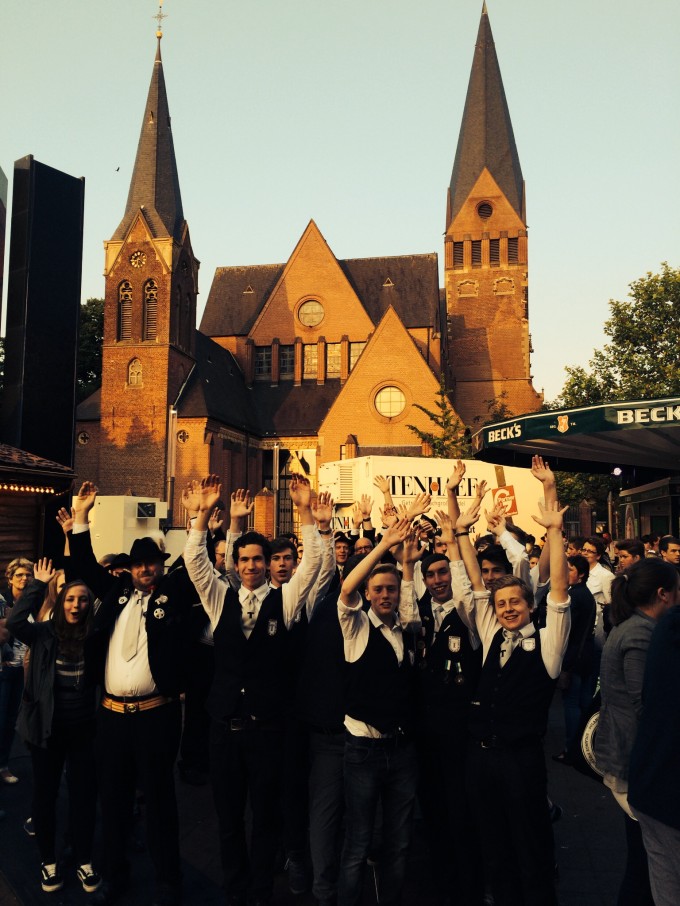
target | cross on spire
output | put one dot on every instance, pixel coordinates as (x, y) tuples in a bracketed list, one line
[(160, 15)]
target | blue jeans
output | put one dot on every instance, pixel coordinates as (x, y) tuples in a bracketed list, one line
[(11, 690), (326, 808), (376, 770)]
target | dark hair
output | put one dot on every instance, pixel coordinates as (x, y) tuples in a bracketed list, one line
[(535, 551), (253, 538), (632, 546), (666, 541), (291, 536), (601, 550), (483, 539), (650, 539), (577, 541), (427, 562), (580, 564), (509, 582), (637, 586), (495, 554), (518, 533), (283, 543), (71, 637)]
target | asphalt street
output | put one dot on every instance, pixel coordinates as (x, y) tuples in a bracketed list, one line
[(589, 838)]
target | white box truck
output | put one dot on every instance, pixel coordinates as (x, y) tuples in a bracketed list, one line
[(408, 476)]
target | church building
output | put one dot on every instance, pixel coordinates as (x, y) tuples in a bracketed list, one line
[(314, 359)]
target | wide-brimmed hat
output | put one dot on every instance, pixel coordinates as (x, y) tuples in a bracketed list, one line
[(120, 561), (145, 550)]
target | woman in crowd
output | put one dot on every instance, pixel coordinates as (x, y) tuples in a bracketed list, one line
[(57, 720), (18, 574), (640, 596)]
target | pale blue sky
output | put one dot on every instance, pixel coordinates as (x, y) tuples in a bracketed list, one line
[(348, 111)]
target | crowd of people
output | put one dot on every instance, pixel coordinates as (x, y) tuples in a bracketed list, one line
[(327, 682)]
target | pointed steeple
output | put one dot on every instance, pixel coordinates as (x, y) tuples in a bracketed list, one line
[(155, 182), (486, 138)]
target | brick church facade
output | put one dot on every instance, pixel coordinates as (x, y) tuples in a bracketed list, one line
[(316, 358)]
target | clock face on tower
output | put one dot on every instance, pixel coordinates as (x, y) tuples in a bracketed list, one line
[(138, 259)]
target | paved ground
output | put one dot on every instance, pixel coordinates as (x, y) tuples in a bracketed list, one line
[(589, 839)]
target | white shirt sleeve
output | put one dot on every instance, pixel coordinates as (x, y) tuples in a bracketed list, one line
[(555, 635), (211, 589), (296, 591), (326, 573), (517, 555)]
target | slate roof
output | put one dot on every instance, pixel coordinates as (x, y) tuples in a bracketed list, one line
[(20, 462), (414, 295), (486, 138), (155, 182), (91, 407)]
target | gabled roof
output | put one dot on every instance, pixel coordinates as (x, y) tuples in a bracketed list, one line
[(19, 462), (486, 138), (236, 298), (238, 294), (216, 389), (155, 182)]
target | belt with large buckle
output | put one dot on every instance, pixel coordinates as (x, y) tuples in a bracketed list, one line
[(134, 705)]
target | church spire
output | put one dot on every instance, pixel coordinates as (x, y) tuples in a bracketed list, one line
[(155, 182), (486, 138)]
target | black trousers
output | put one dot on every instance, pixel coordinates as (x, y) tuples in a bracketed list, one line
[(196, 731), (247, 762), (139, 751), (72, 746), (295, 794), (508, 795), (455, 863)]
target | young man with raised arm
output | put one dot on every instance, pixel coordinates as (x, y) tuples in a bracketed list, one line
[(380, 761), (506, 765), (251, 690)]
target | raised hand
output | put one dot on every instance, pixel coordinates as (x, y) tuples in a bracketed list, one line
[(382, 484), (191, 497), (420, 504), (209, 491), (551, 515), (397, 533), (446, 525), (65, 518), (43, 571), (241, 504), (467, 519), (84, 501), (387, 519), (412, 550), (541, 470), (496, 519), (322, 509), (356, 515), (366, 505), (456, 477), (216, 520), (300, 491)]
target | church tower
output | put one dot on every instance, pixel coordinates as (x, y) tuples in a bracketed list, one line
[(149, 314), (485, 248)]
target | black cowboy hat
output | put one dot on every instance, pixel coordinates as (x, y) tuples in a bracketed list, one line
[(145, 550)]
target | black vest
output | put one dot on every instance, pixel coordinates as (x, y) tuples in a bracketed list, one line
[(379, 689), (252, 675), (448, 672), (321, 688), (512, 703)]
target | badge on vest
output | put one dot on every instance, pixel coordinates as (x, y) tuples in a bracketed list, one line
[(162, 599), (159, 613), (272, 626), (528, 644), (124, 597), (454, 644)]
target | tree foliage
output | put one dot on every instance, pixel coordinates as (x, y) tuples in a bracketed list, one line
[(641, 360), (89, 363), (449, 437)]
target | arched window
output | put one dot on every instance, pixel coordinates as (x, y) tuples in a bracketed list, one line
[(124, 310), (135, 373), (150, 310)]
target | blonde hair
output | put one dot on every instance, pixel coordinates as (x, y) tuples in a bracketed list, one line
[(17, 564)]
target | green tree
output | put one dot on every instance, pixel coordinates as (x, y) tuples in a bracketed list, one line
[(449, 437), (641, 360), (89, 363)]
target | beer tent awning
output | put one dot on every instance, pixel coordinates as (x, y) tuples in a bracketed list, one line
[(642, 437)]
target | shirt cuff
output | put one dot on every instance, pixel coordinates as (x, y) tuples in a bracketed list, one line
[(559, 606), (79, 528), (353, 607)]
